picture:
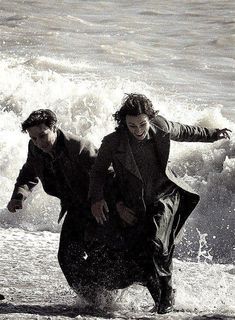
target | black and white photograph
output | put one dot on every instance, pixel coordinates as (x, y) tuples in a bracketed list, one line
[(117, 159)]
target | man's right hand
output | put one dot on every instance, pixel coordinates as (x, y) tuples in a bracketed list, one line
[(99, 209), (14, 205)]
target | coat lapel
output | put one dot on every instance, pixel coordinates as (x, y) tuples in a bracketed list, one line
[(68, 169), (162, 144), (125, 156), (67, 161)]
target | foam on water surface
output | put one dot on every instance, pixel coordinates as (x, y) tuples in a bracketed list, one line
[(85, 107), (33, 284)]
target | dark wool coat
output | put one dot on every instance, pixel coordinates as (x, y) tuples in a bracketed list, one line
[(74, 162), (116, 151), (66, 177)]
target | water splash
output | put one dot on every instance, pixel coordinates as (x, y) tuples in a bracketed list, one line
[(203, 250)]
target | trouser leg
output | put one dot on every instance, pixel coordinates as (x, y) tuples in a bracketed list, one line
[(159, 274), (71, 260), (71, 254), (165, 267), (144, 256), (160, 224)]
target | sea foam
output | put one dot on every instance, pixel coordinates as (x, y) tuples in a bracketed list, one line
[(84, 104)]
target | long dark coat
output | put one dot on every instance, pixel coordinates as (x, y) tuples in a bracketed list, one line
[(75, 157), (75, 162), (116, 151)]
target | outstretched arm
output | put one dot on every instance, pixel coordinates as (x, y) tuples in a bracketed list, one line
[(187, 133)]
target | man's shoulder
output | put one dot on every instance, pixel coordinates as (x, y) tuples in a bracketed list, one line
[(70, 137), (113, 138), (161, 123), (73, 141)]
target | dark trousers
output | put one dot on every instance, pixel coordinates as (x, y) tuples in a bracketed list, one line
[(151, 245)]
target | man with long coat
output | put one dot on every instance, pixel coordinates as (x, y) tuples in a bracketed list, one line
[(153, 202), (61, 161)]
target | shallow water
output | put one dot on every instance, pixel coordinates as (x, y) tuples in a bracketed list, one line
[(80, 57), (34, 287)]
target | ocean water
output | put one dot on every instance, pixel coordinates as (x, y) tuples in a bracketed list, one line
[(35, 288), (79, 58)]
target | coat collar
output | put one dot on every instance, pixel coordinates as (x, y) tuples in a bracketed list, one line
[(162, 145), (125, 155)]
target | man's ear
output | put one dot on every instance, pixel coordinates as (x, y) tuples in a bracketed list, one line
[(54, 128)]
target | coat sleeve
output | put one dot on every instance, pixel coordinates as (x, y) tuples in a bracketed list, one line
[(187, 133), (27, 178), (100, 170)]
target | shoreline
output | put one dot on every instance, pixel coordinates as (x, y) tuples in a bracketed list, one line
[(35, 288)]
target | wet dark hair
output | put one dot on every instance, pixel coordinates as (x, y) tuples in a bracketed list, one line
[(133, 104), (38, 117)]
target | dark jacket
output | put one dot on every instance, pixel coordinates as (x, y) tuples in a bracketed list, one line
[(116, 151), (76, 156)]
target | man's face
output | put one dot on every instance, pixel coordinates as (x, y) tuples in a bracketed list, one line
[(43, 137), (138, 125)]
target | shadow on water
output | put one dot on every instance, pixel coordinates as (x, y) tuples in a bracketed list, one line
[(74, 311), (52, 310)]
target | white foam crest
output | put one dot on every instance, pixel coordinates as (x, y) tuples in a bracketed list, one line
[(197, 162), (85, 107)]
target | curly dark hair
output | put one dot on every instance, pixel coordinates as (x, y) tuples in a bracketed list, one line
[(38, 117), (133, 104)]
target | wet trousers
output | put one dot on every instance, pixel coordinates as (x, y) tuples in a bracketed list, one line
[(151, 245)]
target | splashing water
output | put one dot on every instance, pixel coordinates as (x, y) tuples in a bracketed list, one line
[(203, 251)]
